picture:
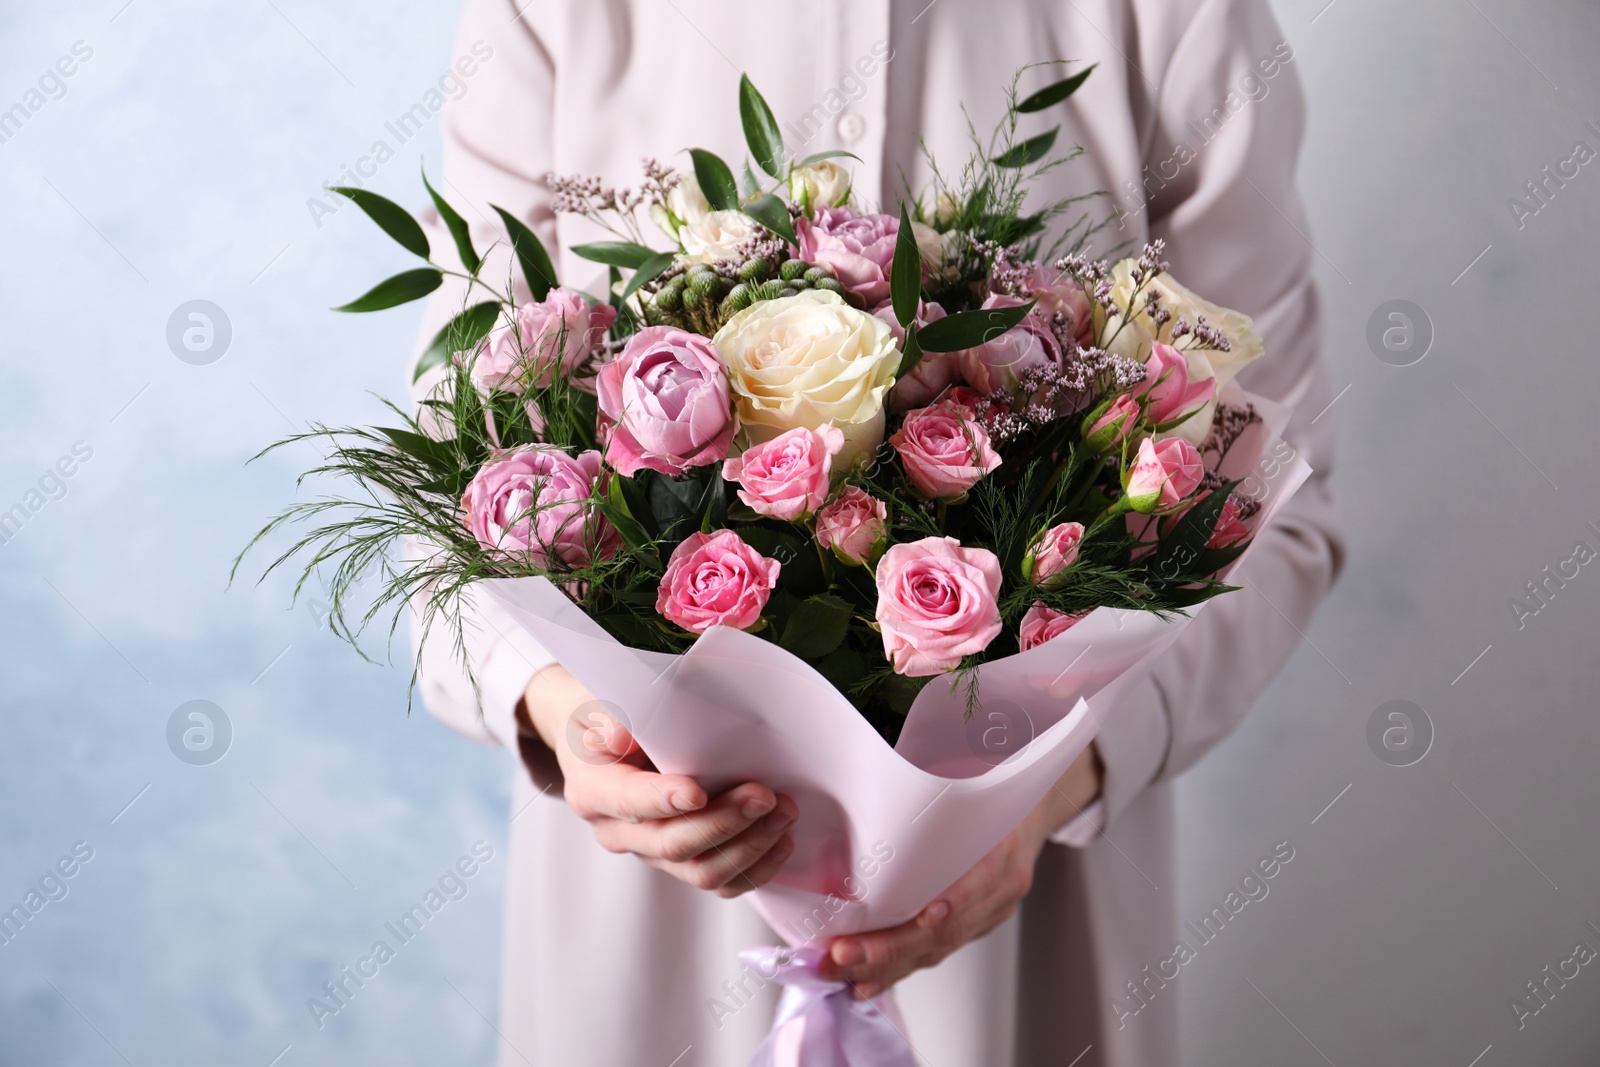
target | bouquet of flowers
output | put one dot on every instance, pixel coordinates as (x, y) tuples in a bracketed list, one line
[(805, 461)]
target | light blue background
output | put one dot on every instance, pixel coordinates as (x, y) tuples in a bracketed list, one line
[(178, 166)]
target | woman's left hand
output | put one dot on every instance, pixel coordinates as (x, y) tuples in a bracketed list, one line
[(980, 900)]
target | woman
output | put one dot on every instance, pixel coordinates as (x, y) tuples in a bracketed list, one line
[(1192, 121)]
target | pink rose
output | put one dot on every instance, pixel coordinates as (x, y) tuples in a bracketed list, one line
[(945, 450), (716, 579), (537, 504), (998, 365), (1168, 394), (853, 526), (562, 331), (1231, 527), (1059, 295), (787, 477), (1053, 553), (937, 603), (1107, 432), (664, 403), (859, 248), (935, 371), (1041, 624), (1163, 474)]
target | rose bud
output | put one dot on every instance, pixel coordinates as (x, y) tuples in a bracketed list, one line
[(1169, 396), (1042, 623), (1111, 423), (1054, 551), (1163, 474), (854, 526)]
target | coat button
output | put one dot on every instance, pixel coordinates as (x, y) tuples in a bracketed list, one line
[(852, 127)]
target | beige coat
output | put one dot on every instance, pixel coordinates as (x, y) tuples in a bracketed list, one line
[(1192, 122)]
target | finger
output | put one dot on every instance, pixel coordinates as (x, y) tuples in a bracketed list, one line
[(724, 863), (763, 871), (624, 792), (681, 839)]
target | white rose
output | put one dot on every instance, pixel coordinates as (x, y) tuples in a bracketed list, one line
[(820, 184), (716, 236), (685, 204), (807, 360), (1134, 339), (937, 249)]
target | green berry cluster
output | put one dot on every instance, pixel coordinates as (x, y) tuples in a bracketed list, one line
[(704, 297)]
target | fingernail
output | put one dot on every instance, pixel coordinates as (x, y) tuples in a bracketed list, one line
[(682, 800), (935, 913), (755, 807), (777, 822), (847, 953)]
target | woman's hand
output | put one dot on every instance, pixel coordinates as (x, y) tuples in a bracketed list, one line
[(980, 900), (729, 844)]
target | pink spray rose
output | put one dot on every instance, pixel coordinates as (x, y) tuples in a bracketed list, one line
[(1163, 474), (945, 450), (560, 332), (1041, 624), (716, 579), (787, 477), (997, 365), (1053, 553), (1168, 393), (937, 603), (536, 504), (1107, 432), (1231, 527), (1058, 294), (664, 403), (853, 526), (859, 248), (935, 371)]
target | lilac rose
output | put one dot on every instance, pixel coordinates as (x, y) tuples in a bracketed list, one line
[(859, 248), (665, 403)]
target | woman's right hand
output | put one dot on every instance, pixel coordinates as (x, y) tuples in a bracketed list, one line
[(728, 844)]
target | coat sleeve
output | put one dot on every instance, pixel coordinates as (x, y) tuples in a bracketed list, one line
[(1221, 157), (497, 147)]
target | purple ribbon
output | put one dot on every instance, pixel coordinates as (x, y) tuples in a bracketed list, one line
[(819, 1023)]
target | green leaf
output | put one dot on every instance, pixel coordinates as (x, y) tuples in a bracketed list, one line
[(401, 289), (614, 505), (647, 270), (835, 153), (912, 354), (460, 232), (969, 329), (760, 128), (773, 213), (616, 253), (537, 269), (816, 627), (716, 180), (436, 454), (459, 334), (752, 184), (393, 219), (1030, 151), (1180, 550), (637, 500), (905, 274), (1051, 95)]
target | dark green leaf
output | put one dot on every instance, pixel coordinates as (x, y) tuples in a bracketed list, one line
[(842, 667), (716, 180), (912, 354), (816, 627), (1180, 550), (969, 329), (637, 500), (647, 270), (460, 232), (1051, 95), (393, 219), (401, 289), (434, 453), (760, 128), (537, 269), (459, 334), (905, 274), (752, 184), (1030, 151), (773, 213), (614, 506), (616, 253)]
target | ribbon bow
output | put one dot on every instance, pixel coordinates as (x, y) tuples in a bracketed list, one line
[(819, 1023)]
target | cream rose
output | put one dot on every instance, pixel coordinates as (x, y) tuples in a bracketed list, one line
[(716, 236), (820, 184), (685, 204), (810, 360)]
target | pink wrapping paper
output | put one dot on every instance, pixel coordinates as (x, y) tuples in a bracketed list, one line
[(881, 830)]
